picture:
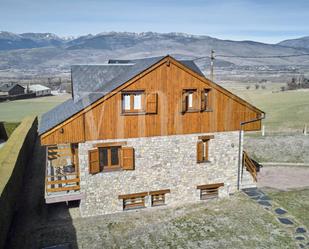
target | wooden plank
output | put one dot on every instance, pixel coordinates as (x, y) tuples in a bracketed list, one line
[(63, 189), (129, 196), (206, 137), (110, 144), (159, 192), (209, 186), (63, 181)]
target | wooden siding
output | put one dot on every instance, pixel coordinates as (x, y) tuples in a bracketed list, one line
[(105, 121), (72, 132)]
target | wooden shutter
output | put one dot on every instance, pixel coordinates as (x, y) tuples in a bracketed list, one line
[(203, 100), (94, 166), (184, 101), (206, 150), (200, 151), (151, 102), (127, 158)]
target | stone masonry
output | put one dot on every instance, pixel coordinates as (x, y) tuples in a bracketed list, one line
[(163, 162)]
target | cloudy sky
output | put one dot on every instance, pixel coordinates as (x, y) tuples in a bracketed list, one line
[(268, 21)]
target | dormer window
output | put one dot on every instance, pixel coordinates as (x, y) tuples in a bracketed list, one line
[(133, 102)]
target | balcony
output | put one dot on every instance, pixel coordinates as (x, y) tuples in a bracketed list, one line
[(62, 174)]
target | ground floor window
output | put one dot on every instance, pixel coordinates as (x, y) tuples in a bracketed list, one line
[(106, 157), (133, 201), (209, 191), (158, 197)]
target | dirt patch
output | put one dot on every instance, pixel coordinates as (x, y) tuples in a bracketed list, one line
[(283, 178)]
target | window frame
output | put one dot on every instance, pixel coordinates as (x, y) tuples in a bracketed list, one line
[(159, 193), (206, 106), (185, 94), (110, 166), (142, 110), (131, 198), (209, 191), (205, 141)]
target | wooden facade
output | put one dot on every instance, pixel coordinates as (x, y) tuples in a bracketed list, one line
[(165, 83)]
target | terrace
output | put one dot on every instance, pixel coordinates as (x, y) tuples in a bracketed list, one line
[(62, 173)]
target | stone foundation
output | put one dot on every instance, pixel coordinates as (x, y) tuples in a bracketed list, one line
[(165, 162)]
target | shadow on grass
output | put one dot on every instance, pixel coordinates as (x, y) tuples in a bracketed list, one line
[(36, 224)]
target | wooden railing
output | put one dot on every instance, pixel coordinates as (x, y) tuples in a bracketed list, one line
[(250, 166), (62, 172)]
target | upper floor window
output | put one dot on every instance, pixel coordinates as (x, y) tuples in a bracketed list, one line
[(189, 100), (194, 100), (205, 100), (133, 102)]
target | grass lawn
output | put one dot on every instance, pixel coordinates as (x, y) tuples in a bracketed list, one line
[(15, 111), (295, 202), (285, 111)]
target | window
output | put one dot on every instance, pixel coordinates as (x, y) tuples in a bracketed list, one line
[(109, 157), (189, 100), (158, 197), (205, 100), (133, 201), (133, 102), (203, 148), (209, 191)]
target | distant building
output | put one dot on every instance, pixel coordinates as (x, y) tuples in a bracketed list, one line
[(11, 89), (40, 90)]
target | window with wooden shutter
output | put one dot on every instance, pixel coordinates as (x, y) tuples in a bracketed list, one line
[(127, 158), (202, 148), (209, 191), (151, 103), (133, 102), (189, 101), (158, 197), (205, 100), (184, 97), (200, 151), (94, 166), (133, 201)]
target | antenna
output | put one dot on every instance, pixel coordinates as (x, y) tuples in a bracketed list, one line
[(212, 59)]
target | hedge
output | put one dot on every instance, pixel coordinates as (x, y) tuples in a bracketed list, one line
[(14, 156)]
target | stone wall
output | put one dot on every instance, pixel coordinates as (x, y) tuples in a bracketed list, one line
[(165, 162)]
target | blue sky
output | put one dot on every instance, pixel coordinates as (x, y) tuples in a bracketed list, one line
[(260, 20)]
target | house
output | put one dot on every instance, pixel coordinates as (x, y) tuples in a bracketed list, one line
[(144, 133), (11, 89), (39, 90)]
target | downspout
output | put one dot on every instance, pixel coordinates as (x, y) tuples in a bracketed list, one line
[(240, 145)]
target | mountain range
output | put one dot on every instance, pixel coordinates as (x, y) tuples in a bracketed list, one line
[(47, 52)]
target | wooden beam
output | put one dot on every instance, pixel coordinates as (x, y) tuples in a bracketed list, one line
[(129, 196), (160, 192), (210, 186), (62, 189)]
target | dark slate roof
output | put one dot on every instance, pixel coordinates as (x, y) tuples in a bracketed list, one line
[(91, 78), (92, 82), (8, 86)]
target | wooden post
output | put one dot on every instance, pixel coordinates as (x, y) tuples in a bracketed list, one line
[(263, 130), (212, 58)]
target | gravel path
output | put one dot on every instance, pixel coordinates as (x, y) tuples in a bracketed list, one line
[(283, 178)]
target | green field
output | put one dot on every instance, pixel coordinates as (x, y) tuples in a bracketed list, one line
[(285, 111), (295, 201), (15, 111)]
